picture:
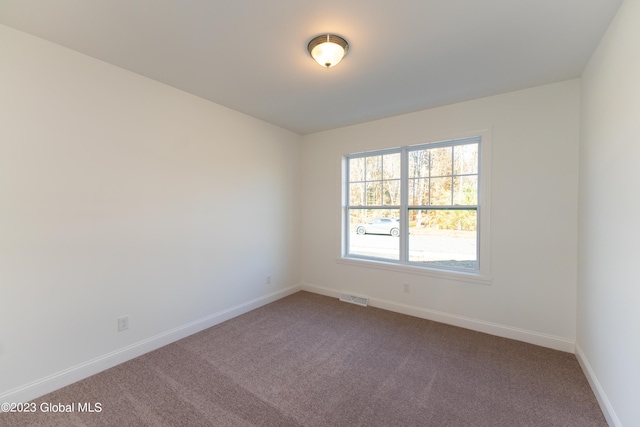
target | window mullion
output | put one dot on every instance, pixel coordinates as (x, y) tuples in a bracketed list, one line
[(453, 173), (404, 201)]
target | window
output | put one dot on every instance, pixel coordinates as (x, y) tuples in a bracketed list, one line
[(417, 205)]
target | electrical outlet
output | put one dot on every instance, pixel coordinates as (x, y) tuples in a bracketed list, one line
[(406, 288), (123, 323), (268, 281)]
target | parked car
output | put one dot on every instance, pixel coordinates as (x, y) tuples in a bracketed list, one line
[(380, 226)]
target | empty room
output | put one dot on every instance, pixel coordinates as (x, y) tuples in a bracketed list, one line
[(307, 214)]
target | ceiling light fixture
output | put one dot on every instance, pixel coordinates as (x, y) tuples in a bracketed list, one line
[(328, 49)]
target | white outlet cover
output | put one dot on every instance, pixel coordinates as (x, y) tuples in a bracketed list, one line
[(123, 323)]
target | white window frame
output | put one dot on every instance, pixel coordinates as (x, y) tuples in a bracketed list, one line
[(480, 275)]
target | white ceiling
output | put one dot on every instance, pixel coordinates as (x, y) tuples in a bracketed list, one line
[(405, 55)]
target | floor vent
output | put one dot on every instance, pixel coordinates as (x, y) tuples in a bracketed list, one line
[(354, 299)]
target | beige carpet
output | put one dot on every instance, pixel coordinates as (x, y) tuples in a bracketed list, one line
[(309, 360)]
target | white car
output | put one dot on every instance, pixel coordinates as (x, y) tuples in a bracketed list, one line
[(380, 226)]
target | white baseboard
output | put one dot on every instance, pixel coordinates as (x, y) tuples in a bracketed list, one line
[(544, 340), (76, 373), (603, 401)]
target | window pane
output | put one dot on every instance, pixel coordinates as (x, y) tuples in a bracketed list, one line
[(443, 238), (440, 189), (418, 163), (441, 161), (374, 168), (356, 194), (374, 233), (465, 191), (391, 166), (374, 193), (356, 169), (391, 195), (419, 191), (465, 159)]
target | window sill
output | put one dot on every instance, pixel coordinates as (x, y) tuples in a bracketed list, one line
[(458, 276)]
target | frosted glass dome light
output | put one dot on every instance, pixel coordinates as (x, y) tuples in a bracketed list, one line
[(328, 49)]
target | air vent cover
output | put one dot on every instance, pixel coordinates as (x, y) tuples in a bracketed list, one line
[(354, 299)]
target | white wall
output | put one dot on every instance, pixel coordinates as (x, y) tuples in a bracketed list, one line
[(534, 187), (609, 219), (122, 196)]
